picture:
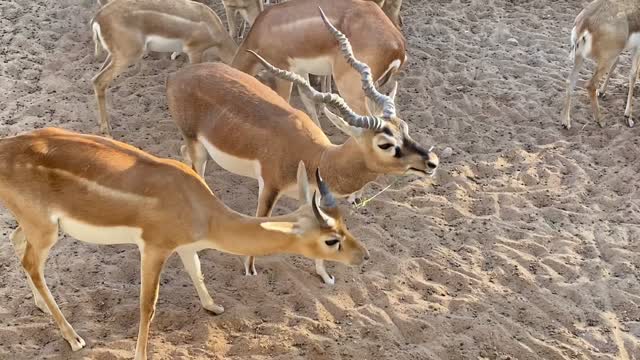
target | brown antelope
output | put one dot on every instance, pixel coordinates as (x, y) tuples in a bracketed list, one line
[(126, 28), (602, 31), (250, 130), (106, 192), (291, 36)]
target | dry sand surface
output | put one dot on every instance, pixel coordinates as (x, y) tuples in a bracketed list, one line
[(524, 246)]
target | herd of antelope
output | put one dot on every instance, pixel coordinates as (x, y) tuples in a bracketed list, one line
[(103, 191)]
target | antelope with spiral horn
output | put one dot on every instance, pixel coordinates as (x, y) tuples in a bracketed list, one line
[(250, 130), (292, 37)]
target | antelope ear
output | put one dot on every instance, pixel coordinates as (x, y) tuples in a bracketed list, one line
[(341, 124), (304, 193), (283, 227)]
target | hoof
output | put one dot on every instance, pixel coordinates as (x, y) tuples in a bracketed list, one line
[(602, 94), (106, 131), (329, 280), (216, 309), (77, 343), (251, 272), (630, 121)]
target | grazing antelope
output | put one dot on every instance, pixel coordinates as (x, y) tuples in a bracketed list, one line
[(126, 28), (291, 36), (602, 31), (106, 192), (250, 130)]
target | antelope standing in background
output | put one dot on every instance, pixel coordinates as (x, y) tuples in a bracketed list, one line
[(126, 28), (291, 36), (250, 130), (106, 192), (602, 31), (392, 9), (248, 9)]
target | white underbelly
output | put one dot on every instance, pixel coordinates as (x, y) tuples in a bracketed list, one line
[(234, 164), (633, 41), (321, 65), (162, 44), (101, 235)]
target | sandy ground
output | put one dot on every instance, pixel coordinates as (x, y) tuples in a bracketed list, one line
[(524, 246)]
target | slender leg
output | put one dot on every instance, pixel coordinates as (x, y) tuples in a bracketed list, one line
[(603, 87), (245, 23), (309, 104), (322, 271), (325, 86), (231, 20), (19, 241), (191, 263), (151, 263), (100, 83), (592, 87), (633, 76), (39, 241), (573, 78), (195, 155), (195, 56), (266, 200)]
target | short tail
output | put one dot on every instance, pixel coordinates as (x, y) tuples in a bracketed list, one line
[(578, 41), (97, 40)]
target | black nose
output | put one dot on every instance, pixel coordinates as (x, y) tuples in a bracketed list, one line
[(431, 165), (366, 257)]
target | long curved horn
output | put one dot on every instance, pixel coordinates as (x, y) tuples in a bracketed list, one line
[(328, 201), (353, 119), (323, 218), (388, 107)]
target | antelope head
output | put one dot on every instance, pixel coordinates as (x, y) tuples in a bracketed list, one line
[(319, 227), (382, 135)]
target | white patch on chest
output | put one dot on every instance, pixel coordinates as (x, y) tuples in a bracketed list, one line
[(633, 41), (239, 166), (101, 235), (163, 44), (321, 65)]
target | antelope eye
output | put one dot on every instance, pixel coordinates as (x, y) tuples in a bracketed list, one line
[(332, 242), (385, 146)]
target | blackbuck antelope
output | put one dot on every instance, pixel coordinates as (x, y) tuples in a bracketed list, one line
[(106, 192), (602, 31), (250, 130), (126, 28), (291, 36)]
